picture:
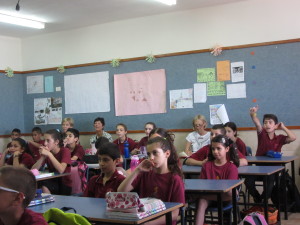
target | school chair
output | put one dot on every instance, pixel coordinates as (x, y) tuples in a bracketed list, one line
[(248, 151)]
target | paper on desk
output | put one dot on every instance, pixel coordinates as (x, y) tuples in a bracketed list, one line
[(218, 114)]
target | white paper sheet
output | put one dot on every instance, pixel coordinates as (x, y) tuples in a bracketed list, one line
[(218, 114), (35, 84), (200, 95), (87, 93), (236, 90), (237, 71), (181, 99)]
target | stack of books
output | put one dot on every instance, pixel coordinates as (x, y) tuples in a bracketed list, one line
[(45, 198)]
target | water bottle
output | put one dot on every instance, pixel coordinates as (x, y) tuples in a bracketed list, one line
[(126, 149), (134, 162)]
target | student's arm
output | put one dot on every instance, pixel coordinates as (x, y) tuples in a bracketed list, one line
[(74, 158), (290, 135), (16, 161), (187, 149), (2, 160), (35, 144), (243, 162), (255, 119), (60, 167), (194, 162), (39, 163)]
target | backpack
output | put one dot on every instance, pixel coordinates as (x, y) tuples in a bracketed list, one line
[(254, 219)]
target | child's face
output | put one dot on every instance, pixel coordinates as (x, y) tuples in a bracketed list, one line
[(199, 125), (7, 198), (36, 136), (120, 131), (215, 133), (218, 150), (229, 132), (148, 129), (65, 126), (269, 125), (15, 135), (98, 126), (107, 164), (70, 138), (15, 146), (157, 156), (50, 143)]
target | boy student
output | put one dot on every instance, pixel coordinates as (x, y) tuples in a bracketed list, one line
[(36, 142), (15, 133), (17, 189), (71, 139), (201, 156), (109, 179), (267, 140)]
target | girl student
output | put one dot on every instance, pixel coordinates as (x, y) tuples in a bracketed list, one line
[(20, 154), (161, 132), (58, 159), (218, 167), (121, 131), (159, 176), (231, 132), (199, 137)]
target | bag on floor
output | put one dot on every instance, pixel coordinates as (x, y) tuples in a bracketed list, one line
[(254, 218), (272, 214)]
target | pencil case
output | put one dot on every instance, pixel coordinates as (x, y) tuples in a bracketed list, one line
[(274, 154)]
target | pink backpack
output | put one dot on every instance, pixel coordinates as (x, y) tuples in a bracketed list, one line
[(254, 219)]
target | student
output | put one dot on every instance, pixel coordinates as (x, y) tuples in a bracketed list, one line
[(231, 132), (71, 139), (15, 133), (217, 167), (161, 132), (121, 131), (159, 176), (21, 155), (66, 124), (109, 179), (267, 140), (36, 142), (201, 156), (58, 159), (15, 195), (198, 138), (99, 124)]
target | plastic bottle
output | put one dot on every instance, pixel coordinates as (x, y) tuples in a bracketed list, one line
[(126, 149), (134, 162)]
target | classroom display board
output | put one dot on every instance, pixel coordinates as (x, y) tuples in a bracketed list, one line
[(271, 80)]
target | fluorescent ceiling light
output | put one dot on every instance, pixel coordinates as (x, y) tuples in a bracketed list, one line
[(168, 2), (21, 21)]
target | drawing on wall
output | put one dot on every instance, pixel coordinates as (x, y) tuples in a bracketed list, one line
[(218, 114), (55, 115), (223, 70), (140, 92), (35, 84), (181, 99), (206, 74), (237, 72), (47, 111), (216, 88)]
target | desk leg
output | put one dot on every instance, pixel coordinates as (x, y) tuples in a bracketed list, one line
[(234, 205), (265, 198), (220, 208), (285, 196), (169, 218), (278, 194)]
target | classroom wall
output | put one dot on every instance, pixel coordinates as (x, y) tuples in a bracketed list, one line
[(10, 53), (251, 21)]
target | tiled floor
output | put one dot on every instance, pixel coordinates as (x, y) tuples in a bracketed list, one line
[(294, 219)]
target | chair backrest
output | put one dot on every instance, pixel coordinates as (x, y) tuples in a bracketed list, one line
[(248, 150)]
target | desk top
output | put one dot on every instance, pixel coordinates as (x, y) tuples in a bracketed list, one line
[(93, 166), (56, 175), (95, 209), (203, 185), (266, 159)]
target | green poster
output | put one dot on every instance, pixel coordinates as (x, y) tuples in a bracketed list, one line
[(216, 88), (206, 75)]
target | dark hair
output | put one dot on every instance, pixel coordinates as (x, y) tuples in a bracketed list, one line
[(151, 123), (16, 130), (110, 149), (19, 179), (123, 125), (270, 117), (24, 145), (101, 119), (163, 133), (173, 160), (37, 129), (233, 127), (75, 132), (226, 142), (56, 135), (100, 141), (219, 127)]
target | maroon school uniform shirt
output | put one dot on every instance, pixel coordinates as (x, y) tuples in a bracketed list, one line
[(210, 171), (241, 146), (97, 189), (132, 145), (143, 142), (30, 217), (24, 159), (35, 151), (63, 155), (202, 154), (265, 143), (78, 151)]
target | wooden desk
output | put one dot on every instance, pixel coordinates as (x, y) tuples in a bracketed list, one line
[(95, 209), (216, 187), (56, 175)]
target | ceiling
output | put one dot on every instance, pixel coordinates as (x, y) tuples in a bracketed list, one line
[(61, 15)]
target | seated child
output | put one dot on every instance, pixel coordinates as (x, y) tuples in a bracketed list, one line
[(18, 187), (15, 133), (217, 167), (66, 124), (71, 139), (158, 177), (121, 131), (231, 132), (58, 159), (20, 154), (36, 142), (109, 179), (201, 156)]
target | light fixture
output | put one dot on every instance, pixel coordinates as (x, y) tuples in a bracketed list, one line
[(168, 2), (21, 21)]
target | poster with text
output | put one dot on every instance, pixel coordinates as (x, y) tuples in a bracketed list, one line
[(237, 72)]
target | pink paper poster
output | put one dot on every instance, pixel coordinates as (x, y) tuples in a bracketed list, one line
[(140, 92)]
